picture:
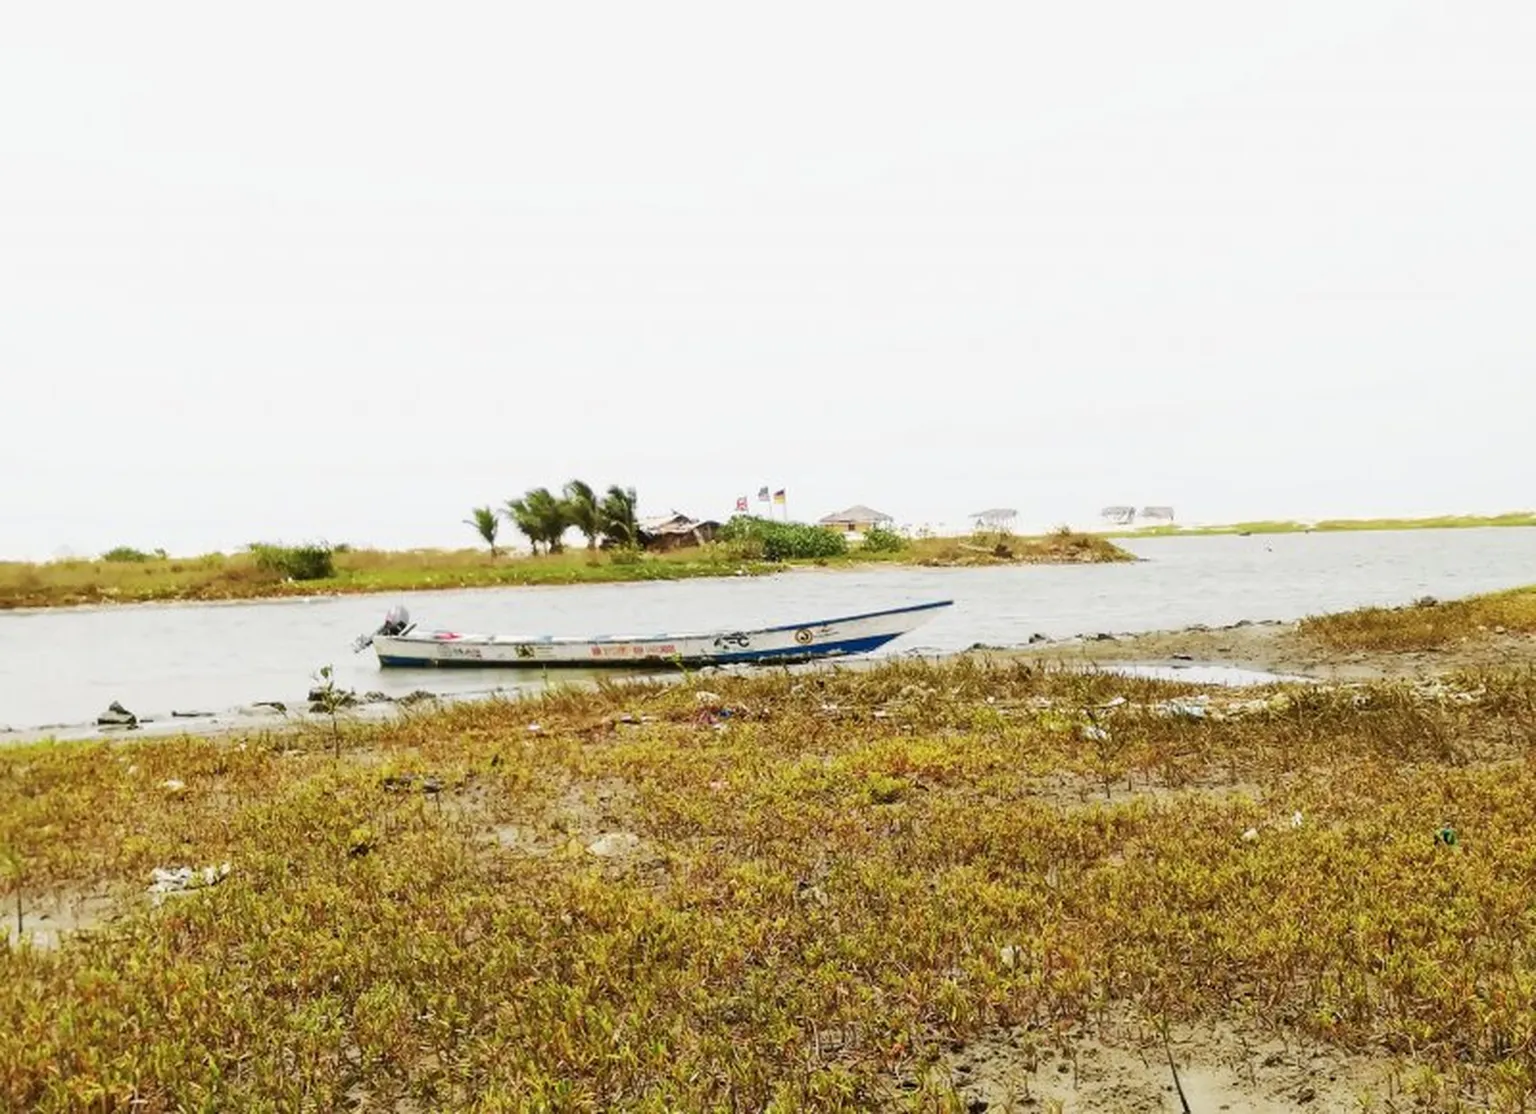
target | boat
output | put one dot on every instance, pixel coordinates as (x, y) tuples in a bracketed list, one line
[(399, 644)]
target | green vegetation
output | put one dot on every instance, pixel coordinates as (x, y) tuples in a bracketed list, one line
[(487, 525), (543, 517), (126, 553), (649, 905), (782, 541), (271, 571), (617, 519), (295, 562), (880, 540), (1334, 525), (1426, 625), (1063, 546)]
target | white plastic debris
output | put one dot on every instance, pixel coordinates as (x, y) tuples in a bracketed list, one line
[(1296, 819), (704, 696), (1185, 708), (1009, 955), (1095, 734), (168, 881), (173, 785), (613, 845), (1250, 835)]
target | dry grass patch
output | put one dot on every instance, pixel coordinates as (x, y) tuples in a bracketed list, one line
[(1426, 625)]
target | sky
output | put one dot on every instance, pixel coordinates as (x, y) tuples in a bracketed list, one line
[(345, 271)]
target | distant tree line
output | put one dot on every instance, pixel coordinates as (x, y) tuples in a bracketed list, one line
[(544, 517)]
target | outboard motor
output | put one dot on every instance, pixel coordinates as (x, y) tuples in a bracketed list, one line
[(397, 620)]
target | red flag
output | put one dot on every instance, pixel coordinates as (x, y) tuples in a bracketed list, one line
[(741, 503)]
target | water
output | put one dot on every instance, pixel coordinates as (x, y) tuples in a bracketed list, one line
[(60, 667)]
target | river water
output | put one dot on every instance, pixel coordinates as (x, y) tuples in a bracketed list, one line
[(62, 667)]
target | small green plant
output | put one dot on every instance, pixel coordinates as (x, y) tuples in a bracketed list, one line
[(329, 700)]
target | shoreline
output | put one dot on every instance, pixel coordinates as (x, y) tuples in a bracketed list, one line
[(1510, 520), (1243, 654), (220, 578)]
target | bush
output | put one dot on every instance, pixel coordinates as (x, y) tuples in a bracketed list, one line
[(298, 562), (625, 555), (880, 540), (784, 541), (126, 554)]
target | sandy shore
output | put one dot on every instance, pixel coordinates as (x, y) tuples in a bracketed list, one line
[(1279, 648)]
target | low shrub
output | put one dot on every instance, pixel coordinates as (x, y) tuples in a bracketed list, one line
[(783, 541), (296, 562), (880, 540), (127, 555)]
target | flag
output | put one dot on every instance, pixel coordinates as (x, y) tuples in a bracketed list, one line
[(741, 503), (778, 497), (762, 494)]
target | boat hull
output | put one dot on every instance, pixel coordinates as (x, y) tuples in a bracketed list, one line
[(827, 638)]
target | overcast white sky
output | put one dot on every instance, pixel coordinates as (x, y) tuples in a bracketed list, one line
[(290, 271)]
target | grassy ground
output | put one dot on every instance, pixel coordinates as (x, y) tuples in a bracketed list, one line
[(792, 892), (1333, 525), (221, 577), (1427, 625)]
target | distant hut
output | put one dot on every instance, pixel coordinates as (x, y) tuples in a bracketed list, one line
[(1119, 516), (857, 519), (998, 518), (676, 531), (1157, 514)]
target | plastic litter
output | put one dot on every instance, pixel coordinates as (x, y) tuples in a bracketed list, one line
[(169, 881)]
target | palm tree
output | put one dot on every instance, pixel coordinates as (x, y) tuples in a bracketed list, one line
[(619, 524), (583, 511), (487, 525), (541, 517)]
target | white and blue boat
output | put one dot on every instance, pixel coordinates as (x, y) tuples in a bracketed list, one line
[(399, 644)]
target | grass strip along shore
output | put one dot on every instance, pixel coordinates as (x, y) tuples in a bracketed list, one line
[(917, 885), (1334, 525), (267, 572)]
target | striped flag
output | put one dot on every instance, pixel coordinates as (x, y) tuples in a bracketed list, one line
[(778, 497), (762, 494)]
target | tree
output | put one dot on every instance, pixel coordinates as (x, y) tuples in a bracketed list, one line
[(486, 523), (583, 511), (541, 517), (618, 522)]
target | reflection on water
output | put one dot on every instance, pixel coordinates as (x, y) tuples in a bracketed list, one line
[(64, 666)]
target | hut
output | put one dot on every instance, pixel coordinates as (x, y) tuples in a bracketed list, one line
[(857, 519), (998, 518), (676, 531)]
